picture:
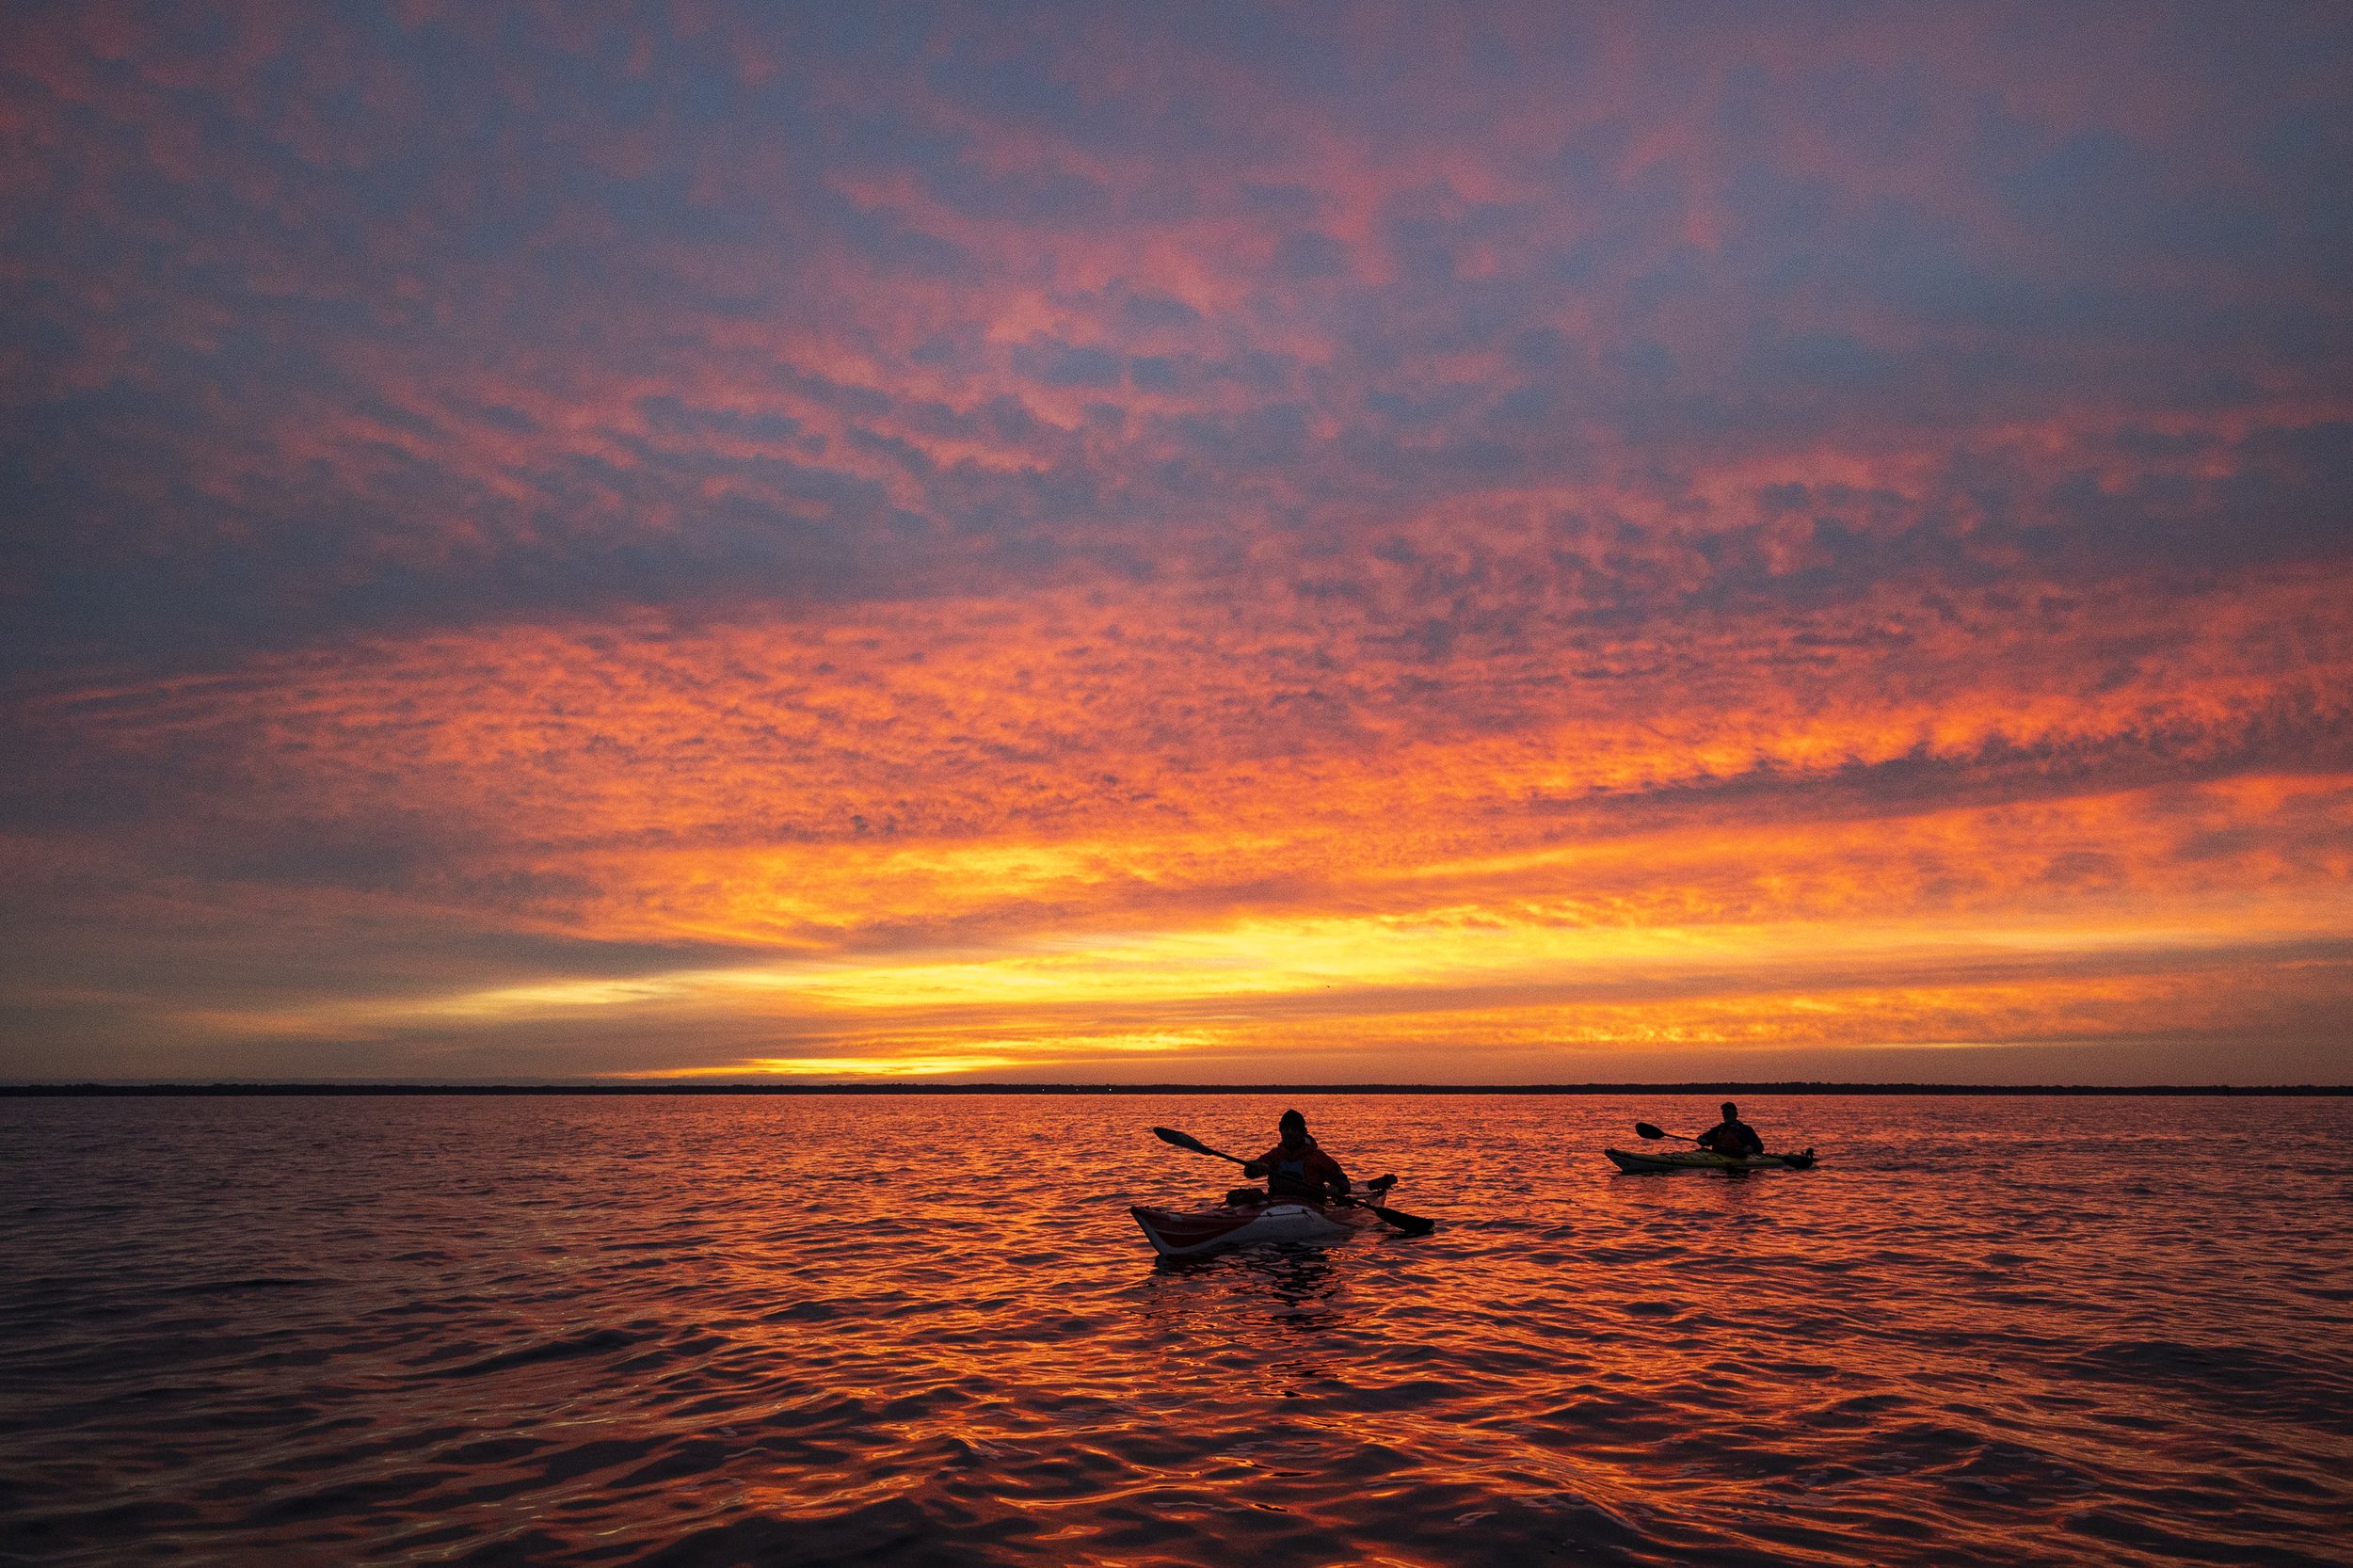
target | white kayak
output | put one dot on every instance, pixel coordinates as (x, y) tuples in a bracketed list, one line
[(1189, 1233), (1706, 1159)]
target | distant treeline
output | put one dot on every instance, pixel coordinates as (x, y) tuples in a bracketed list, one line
[(1801, 1087)]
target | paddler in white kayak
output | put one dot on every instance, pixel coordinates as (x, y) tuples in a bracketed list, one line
[(1732, 1137), (1297, 1210), (1296, 1166)]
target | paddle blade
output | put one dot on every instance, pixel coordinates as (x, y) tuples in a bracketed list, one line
[(1183, 1141), (1186, 1141), (1644, 1130), (1412, 1224)]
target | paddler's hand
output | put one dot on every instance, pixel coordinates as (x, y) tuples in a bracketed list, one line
[(1254, 1170)]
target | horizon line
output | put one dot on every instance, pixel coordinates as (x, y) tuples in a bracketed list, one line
[(101, 1089)]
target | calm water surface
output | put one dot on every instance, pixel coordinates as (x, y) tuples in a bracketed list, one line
[(852, 1329)]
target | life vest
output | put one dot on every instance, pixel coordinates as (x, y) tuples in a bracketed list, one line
[(1305, 1170), (1735, 1140)]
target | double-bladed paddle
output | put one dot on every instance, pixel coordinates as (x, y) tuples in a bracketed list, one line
[(1644, 1130), (1412, 1224)]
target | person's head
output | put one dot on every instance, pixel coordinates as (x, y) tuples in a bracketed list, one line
[(1293, 1127), (1731, 1111)]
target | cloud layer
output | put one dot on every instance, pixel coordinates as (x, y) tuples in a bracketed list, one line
[(1318, 542)]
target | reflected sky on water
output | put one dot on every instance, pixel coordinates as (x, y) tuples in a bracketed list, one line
[(794, 1330)]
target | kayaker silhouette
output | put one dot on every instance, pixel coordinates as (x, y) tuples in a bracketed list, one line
[(1732, 1137), (1296, 1167)]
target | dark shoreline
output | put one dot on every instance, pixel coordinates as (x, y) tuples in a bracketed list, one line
[(107, 1091)]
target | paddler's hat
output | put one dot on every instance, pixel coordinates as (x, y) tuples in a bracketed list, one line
[(1293, 1119)]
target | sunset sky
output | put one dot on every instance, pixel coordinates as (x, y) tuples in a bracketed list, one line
[(1221, 543)]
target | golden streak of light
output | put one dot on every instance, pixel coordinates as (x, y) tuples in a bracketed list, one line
[(841, 1066), (1366, 969), (983, 1054)]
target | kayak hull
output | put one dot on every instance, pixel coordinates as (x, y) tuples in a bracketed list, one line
[(1176, 1233), (1701, 1160)]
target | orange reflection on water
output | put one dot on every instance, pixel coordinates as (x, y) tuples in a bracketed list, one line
[(819, 1328)]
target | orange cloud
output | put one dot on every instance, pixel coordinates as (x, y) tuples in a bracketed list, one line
[(1039, 834)]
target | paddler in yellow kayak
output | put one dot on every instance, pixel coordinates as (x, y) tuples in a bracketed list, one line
[(1732, 1137), (1296, 1167)]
